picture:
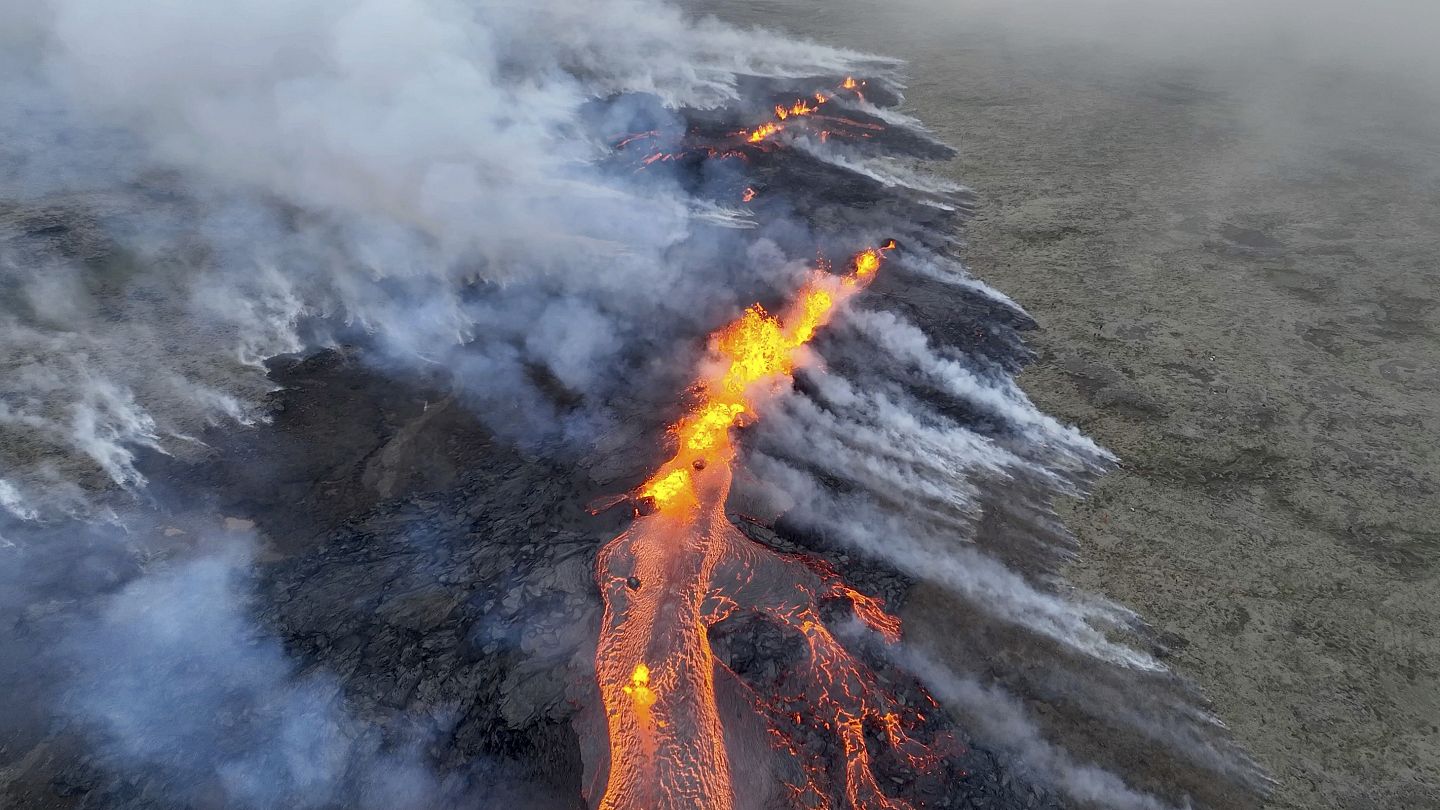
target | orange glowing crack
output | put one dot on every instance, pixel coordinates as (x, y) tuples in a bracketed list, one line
[(682, 566), (799, 108), (762, 134)]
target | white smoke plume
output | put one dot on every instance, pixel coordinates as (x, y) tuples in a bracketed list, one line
[(878, 466), (1000, 395), (1003, 722), (943, 554), (205, 700), (225, 184)]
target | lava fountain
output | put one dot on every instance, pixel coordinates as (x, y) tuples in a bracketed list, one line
[(682, 567)]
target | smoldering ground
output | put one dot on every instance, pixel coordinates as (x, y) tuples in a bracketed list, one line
[(952, 486), (432, 180)]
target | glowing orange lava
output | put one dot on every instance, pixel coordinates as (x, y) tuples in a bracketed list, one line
[(764, 134), (763, 131), (682, 567), (800, 108), (853, 86)]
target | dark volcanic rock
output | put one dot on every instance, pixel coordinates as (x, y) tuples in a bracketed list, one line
[(465, 618), (469, 609)]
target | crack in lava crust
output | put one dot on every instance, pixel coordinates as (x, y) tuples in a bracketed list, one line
[(682, 567)]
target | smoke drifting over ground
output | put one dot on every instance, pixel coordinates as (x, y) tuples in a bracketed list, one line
[(203, 697), (198, 191), (382, 167)]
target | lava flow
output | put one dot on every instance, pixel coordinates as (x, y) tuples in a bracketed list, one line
[(733, 145), (801, 108), (682, 567)]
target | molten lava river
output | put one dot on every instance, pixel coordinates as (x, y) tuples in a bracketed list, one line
[(682, 566)]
